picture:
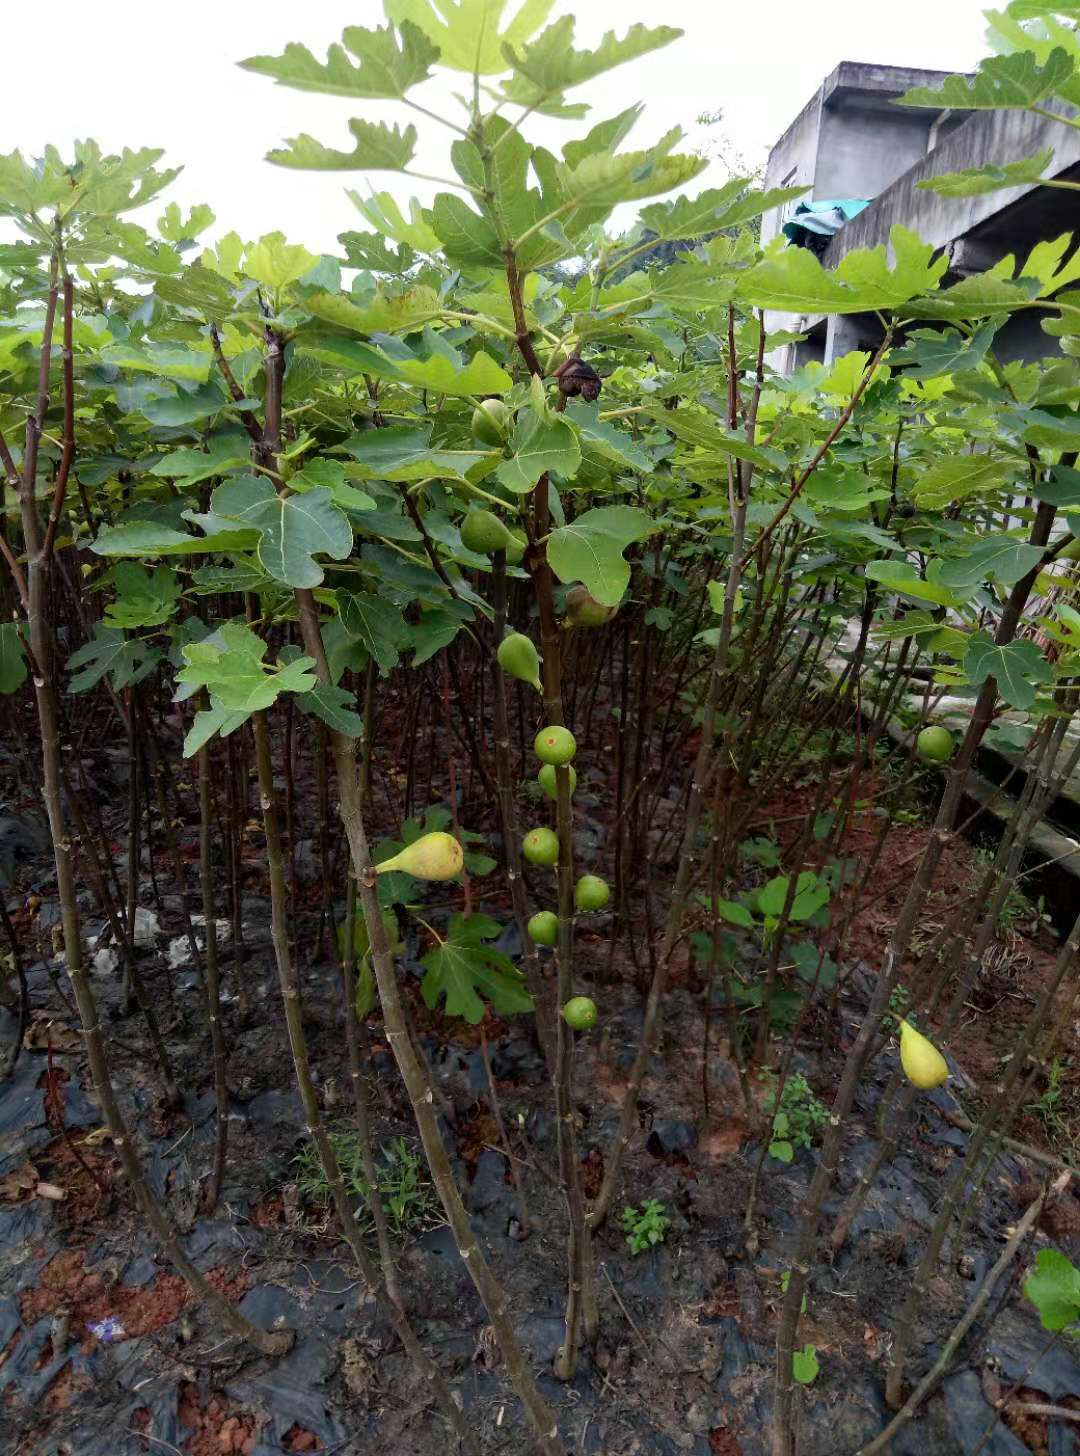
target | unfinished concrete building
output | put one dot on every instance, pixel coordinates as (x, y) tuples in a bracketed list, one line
[(863, 154)]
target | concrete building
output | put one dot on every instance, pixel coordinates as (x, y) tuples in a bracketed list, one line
[(852, 141)]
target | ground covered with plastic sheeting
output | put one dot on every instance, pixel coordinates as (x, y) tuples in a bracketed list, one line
[(103, 1351)]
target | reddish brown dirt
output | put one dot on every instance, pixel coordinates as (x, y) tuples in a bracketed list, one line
[(723, 1443), (215, 1429), (1030, 1429), (298, 1438), (1014, 972), (478, 1133), (64, 1388), (58, 1164), (65, 1283), (269, 1213)]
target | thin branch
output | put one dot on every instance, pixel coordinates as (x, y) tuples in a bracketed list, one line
[(67, 357), (16, 573), (830, 439), (974, 1309), (247, 418)]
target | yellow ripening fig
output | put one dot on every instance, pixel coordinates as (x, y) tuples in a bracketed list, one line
[(923, 1064), (434, 856)]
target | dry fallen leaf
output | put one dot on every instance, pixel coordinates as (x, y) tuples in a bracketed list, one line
[(15, 1186), (44, 1031)]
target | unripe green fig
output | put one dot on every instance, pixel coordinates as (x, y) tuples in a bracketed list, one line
[(554, 745), (517, 658), (434, 856), (515, 549), (580, 1013), (546, 778), (585, 611), (483, 532), (923, 1064), (543, 927), (936, 744), (591, 893), (490, 423), (541, 847)]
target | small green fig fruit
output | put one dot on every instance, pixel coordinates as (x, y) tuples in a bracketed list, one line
[(580, 1013), (936, 744), (434, 856), (541, 847), (515, 549), (490, 423), (585, 611), (517, 658), (554, 745), (543, 927), (546, 778), (591, 893), (483, 532), (923, 1064)]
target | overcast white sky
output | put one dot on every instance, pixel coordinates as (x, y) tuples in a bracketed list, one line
[(133, 73)]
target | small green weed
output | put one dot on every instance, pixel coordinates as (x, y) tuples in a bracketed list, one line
[(1049, 1106), (804, 1365), (785, 1280), (796, 1119), (408, 1197), (899, 1005), (645, 1228), (1016, 909)]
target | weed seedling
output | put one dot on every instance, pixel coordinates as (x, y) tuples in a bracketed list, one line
[(795, 1120), (408, 1198), (899, 1004), (646, 1228)]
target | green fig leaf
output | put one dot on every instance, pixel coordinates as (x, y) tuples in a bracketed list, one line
[(388, 66), (468, 972), (12, 658), (591, 548), (124, 661), (1016, 667), (1054, 1290), (466, 32), (539, 444), (376, 624), (293, 528), (144, 599), (379, 148)]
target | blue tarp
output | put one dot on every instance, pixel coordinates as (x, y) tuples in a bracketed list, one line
[(822, 219)]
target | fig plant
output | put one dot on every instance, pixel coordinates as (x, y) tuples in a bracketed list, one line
[(352, 511)]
